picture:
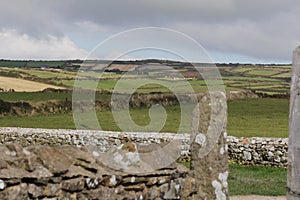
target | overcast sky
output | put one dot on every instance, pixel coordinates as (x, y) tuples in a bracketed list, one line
[(230, 30)]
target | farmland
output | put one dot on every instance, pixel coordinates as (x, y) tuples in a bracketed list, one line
[(264, 79), (247, 117), (21, 85), (261, 117)]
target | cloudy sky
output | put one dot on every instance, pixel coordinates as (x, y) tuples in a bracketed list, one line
[(230, 30)]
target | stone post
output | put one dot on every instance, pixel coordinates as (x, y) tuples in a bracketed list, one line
[(293, 180), (209, 161)]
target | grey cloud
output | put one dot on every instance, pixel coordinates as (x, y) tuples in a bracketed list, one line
[(265, 28), (244, 37), (47, 14), (30, 17), (38, 15), (157, 11)]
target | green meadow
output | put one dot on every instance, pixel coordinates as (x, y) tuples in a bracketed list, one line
[(263, 117)]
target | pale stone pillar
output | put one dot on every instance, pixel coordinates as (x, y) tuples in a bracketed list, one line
[(293, 180), (209, 161)]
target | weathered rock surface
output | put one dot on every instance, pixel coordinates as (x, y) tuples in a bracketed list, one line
[(69, 172)]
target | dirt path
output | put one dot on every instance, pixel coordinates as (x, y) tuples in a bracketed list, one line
[(256, 197)]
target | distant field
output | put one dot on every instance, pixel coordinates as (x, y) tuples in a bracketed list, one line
[(45, 74), (276, 78), (242, 69), (45, 63), (283, 75), (234, 78), (24, 63), (23, 85), (13, 63), (262, 72)]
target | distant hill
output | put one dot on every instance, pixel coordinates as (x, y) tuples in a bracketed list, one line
[(115, 66)]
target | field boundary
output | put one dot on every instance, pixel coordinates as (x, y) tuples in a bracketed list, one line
[(246, 151)]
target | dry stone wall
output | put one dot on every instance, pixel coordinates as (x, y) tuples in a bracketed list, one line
[(69, 172), (249, 151), (258, 151)]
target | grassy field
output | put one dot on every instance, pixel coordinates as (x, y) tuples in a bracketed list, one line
[(258, 117), (106, 120), (34, 96), (43, 96), (247, 180), (246, 118)]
